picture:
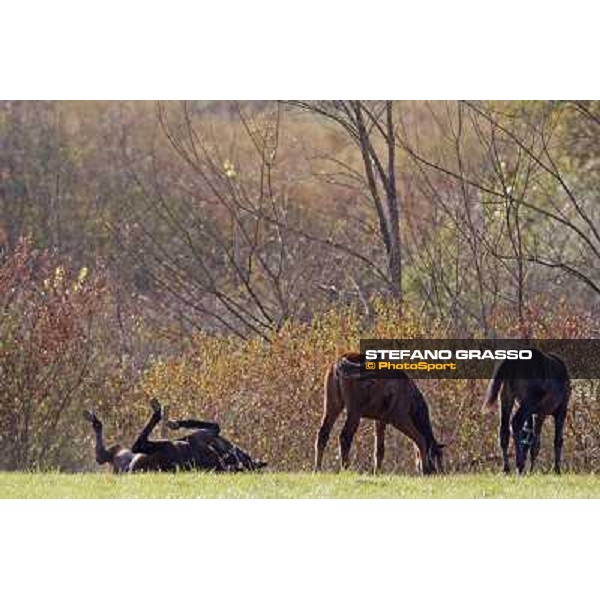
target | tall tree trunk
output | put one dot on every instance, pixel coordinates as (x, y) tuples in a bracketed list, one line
[(395, 249)]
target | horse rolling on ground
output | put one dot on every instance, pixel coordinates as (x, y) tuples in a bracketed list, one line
[(540, 387), (397, 402), (203, 449)]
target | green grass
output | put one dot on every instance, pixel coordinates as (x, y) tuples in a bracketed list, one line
[(294, 485)]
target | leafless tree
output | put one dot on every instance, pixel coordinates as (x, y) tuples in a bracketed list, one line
[(371, 126), (537, 215), (218, 235)]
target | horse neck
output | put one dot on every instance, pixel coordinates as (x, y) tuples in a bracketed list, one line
[(422, 420)]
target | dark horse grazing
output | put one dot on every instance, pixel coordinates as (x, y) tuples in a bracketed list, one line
[(541, 387), (203, 449), (397, 402)]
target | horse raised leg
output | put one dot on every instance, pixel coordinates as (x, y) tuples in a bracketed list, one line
[(506, 406), (145, 446), (346, 437), (102, 455), (559, 424), (379, 449), (208, 426)]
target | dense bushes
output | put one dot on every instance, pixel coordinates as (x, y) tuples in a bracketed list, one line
[(65, 345), (269, 397), (244, 217), (58, 352)]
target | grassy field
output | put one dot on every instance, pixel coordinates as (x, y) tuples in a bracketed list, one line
[(295, 485)]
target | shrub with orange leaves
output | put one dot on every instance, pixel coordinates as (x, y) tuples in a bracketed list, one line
[(268, 397)]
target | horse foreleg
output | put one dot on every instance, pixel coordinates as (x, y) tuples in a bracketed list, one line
[(518, 421), (379, 445), (346, 437), (102, 455), (537, 438), (142, 444), (559, 424), (506, 406), (407, 427)]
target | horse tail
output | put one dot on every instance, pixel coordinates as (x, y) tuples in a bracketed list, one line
[(333, 391), (494, 387), (567, 390), (350, 365)]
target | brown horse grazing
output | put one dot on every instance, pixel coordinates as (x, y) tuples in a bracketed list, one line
[(204, 449), (541, 387), (397, 402)]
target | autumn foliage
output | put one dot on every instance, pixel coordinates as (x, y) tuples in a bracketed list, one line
[(57, 354), (269, 396), (219, 255), (65, 345)]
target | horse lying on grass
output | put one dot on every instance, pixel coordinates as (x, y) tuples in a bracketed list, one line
[(397, 402), (203, 449)]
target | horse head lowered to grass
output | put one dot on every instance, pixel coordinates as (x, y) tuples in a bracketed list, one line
[(540, 387), (397, 402)]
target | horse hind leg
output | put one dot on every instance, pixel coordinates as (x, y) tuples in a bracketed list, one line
[(332, 407), (142, 444), (208, 426), (327, 423), (346, 437), (506, 406), (379, 450), (559, 424), (537, 439), (322, 438)]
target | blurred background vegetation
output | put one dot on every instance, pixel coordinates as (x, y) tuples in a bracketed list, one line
[(220, 254)]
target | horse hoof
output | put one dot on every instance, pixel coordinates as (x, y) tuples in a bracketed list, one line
[(90, 416), (155, 406)]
